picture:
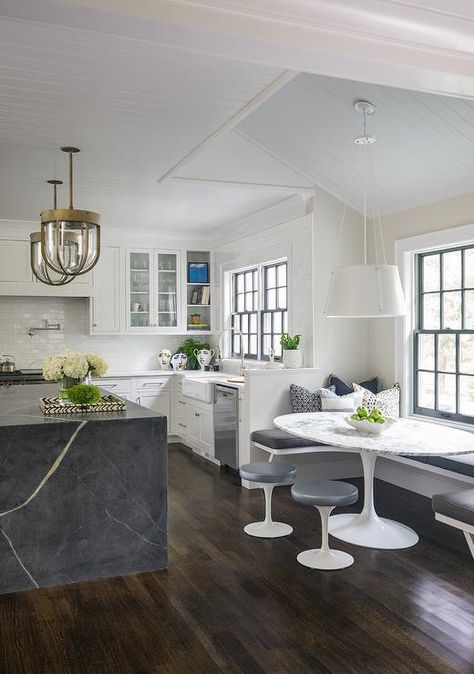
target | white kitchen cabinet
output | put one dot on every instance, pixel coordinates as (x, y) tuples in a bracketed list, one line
[(119, 387), (16, 277), (15, 262), (199, 427), (206, 431), (154, 393), (153, 291), (105, 305), (158, 402)]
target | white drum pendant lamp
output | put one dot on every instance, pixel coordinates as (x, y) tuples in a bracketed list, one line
[(366, 290), (70, 238)]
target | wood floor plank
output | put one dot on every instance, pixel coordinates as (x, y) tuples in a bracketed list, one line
[(231, 604)]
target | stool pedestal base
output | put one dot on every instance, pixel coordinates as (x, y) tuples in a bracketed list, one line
[(325, 559), (268, 529)]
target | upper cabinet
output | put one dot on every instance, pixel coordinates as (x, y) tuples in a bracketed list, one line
[(153, 291), (131, 290), (16, 277), (106, 302), (15, 262)]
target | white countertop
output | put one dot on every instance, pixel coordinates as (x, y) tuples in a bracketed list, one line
[(216, 377)]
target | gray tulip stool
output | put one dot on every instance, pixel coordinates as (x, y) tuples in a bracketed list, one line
[(325, 496), (268, 475)]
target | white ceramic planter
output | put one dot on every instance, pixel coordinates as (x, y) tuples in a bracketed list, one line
[(292, 358)]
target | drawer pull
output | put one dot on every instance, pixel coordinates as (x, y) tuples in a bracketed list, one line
[(181, 402), (182, 425), (196, 414)]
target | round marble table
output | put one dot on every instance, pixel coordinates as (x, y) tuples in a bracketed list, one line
[(406, 436)]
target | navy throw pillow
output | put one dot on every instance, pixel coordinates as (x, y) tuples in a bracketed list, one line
[(343, 389)]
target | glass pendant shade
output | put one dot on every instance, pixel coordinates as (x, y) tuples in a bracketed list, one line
[(40, 269), (70, 240), (365, 291)]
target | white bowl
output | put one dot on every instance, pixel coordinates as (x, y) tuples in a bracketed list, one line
[(365, 427)]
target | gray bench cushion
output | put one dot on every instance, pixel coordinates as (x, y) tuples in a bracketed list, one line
[(268, 472), (276, 439), (325, 493), (458, 505), (463, 464)]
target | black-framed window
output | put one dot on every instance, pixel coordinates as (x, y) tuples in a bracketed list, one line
[(260, 309), (274, 317), (444, 334)]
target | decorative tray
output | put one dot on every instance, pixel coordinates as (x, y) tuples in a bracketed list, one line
[(108, 403)]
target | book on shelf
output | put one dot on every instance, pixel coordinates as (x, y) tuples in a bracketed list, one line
[(200, 295), (198, 326)]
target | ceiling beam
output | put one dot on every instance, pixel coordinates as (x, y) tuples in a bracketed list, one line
[(392, 42), (252, 105)]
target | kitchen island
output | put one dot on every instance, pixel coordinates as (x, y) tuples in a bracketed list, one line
[(81, 496)]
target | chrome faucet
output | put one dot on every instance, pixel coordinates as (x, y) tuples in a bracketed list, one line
[(237, 331)]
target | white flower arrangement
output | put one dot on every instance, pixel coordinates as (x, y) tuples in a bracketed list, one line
[(73, 365), (98, 366)]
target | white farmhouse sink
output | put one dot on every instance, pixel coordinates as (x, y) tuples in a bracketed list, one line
[(198, 388)]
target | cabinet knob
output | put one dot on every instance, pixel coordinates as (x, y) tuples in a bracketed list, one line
[(94, 325), (196, 414)]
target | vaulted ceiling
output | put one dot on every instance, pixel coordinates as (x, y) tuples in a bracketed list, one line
[(424, 150), (134, 108), (229, 136)]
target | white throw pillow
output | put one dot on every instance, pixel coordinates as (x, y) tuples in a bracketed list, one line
[(331, 402), (339, 404), (388, 401)]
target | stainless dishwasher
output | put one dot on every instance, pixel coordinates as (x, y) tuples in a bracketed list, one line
[(226, 425)]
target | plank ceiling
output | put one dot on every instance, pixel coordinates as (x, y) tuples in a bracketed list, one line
[(135, 108), (424, 150)]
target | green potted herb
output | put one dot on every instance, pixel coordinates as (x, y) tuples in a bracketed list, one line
[(292, 356), (84, 395), (188, 347)]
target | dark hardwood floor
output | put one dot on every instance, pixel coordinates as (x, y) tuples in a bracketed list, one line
[(230, 603)]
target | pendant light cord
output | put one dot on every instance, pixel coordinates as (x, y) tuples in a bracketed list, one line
[(70, 181)]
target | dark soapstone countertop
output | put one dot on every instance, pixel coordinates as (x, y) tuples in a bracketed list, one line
[(20, 406), (80, 498)]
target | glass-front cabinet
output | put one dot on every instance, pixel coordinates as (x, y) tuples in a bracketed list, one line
[(167, 290), (153, 289)]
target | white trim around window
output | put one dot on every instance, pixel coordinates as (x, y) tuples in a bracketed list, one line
[(405, 252)]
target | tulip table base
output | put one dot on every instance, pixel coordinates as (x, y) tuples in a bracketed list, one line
[(367, 528)]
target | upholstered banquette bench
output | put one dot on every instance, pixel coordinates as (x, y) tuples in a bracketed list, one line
[(457, 510)]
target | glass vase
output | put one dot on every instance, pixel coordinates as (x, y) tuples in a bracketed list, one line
[(65, 384)]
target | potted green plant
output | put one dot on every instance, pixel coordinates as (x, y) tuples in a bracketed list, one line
[(292, 356), (188, 347)]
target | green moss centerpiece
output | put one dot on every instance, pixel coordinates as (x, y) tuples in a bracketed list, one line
[(71, 369)]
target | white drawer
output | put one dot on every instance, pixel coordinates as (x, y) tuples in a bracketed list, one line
[(114, 385), (150, 384)]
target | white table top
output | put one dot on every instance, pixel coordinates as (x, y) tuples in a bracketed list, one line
[(406, 436)]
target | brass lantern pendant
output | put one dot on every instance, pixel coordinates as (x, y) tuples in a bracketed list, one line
[(70, 238), (38, 266)]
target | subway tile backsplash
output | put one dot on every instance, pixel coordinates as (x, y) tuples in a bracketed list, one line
[(18, 314)]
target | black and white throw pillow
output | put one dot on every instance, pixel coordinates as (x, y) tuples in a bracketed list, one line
[(388, 401), (304, 400)]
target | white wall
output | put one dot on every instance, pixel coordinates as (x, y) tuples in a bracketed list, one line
[(17, 314), (434, 217), (306, 231)]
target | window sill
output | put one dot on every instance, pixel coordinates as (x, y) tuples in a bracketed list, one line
[(442, 422)]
